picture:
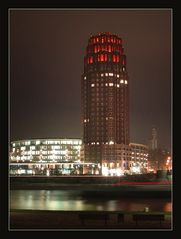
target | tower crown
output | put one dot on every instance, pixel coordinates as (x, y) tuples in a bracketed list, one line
[(104, 48)]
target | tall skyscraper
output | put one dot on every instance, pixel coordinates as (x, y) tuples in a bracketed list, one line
[(105, 100), (153, 145)]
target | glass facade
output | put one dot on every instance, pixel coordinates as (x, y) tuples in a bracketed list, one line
[(45, 150)]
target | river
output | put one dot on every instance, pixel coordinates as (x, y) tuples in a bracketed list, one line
[(74, 201)]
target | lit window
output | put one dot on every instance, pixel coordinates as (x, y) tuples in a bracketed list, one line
[(27, 143), (92, 85), (121, 81), (110, 74), (106, 84), (111, 142), (114, 58), (91, 60), (118, 85), (85, 120), (109, 48), (102, 57), (105, 56), (126, 82), (85, 77), (117, 76), (102, 74), (50, 142), (111, 84), (106, 74), (37, 142)]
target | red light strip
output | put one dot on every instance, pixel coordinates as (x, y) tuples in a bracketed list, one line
[(146, 183)]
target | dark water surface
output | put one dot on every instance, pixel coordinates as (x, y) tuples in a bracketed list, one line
[(74, 201)]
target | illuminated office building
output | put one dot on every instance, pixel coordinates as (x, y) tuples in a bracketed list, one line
[(45, 156), (46, 150)]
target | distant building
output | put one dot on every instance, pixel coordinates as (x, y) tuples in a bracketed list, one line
[(153, 144), (158, 158)]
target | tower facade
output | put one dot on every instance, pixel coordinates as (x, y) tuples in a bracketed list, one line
[(105, 99)]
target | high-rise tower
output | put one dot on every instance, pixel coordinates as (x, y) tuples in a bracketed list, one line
[(105, 99), (153, 145)]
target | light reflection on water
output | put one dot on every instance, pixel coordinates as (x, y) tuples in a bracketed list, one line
[(71, 200)]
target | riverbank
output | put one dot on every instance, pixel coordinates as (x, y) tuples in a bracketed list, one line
[(97, 186), (89, 179), (67, 220)]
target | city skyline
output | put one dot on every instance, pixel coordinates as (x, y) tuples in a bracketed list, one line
[(47, 64)]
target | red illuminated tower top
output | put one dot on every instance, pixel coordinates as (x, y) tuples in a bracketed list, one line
[(104, 48)]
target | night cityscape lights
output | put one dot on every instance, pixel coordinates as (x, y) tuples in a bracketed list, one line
[(105, 148)]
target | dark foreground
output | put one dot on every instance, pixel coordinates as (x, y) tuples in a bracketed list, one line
[(67, 220)]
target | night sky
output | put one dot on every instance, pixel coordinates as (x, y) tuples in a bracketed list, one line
[(47, 48)]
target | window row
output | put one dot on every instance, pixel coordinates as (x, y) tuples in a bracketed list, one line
[(105, 58), (103, 39)]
